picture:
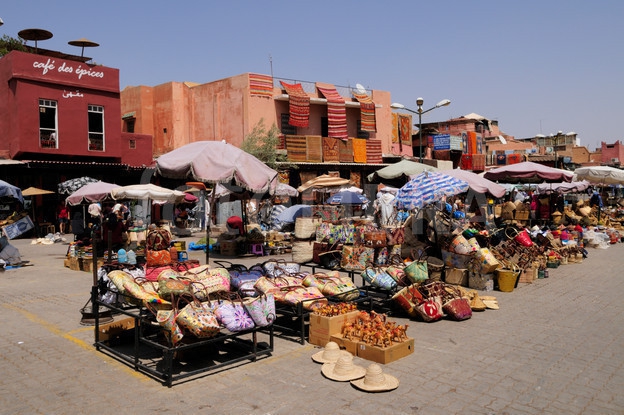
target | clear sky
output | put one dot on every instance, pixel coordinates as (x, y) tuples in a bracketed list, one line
[(536, 66)]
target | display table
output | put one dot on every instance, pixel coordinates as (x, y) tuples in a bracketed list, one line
[(143, 347)]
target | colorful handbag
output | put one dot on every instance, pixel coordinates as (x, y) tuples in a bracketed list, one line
[(395, 236), (261, 309), (167, 320), (458, 309), (266, 285), (430, 309), (408, 298), (356, 257), (275, 268), (168, 287), (375, 239), (212, 281), (417, 270), (199, 319), (310, 298), (234, 316), (378, 277), (157, 258), (237, 278), (334, 285), (133, 292)]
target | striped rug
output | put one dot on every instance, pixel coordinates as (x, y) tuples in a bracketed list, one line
[(373, 151), (367, 112), (296, 148), (299, 105), (314, 149), (261, 85), (336, 111)]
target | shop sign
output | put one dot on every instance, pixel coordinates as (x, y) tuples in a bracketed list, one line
[(442, 142)]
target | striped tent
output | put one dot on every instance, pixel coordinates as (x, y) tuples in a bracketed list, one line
[(427, 188)]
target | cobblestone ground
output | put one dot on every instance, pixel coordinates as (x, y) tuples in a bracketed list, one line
[(554, 347)]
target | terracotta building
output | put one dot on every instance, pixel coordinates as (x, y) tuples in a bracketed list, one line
[(315, 120)]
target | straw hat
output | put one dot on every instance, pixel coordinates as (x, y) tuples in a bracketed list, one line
[(343, 370), (329, 354), (375, 380), (490, 302), (476, 304)]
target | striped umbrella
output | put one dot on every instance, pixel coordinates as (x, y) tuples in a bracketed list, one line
[(426, 188)]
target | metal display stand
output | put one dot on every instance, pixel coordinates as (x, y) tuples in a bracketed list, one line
[(149, 354)]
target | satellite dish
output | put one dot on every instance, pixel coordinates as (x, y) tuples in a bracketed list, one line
[(502, 139), (360, 88)]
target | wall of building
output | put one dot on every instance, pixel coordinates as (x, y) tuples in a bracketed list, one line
[(611, 152)]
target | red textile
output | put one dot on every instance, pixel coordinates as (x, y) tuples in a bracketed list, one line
[(336, 111), (299, 105), (367, 112)]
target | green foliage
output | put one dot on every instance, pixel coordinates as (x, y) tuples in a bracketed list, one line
[(263, 145), (8, 43)]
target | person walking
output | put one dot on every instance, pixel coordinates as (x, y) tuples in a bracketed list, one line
[(63, 218)]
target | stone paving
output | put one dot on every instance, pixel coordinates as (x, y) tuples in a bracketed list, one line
[(555, 346)]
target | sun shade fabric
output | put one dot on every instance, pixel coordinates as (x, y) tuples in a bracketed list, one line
[(528, 172), (323, 181), (217, 162), (404, 167), (299, 105), (336, 111), (148, 191), (8, 190), (367, 111), (600, 174), (427, 188), (91, 192), (477, 183), (261, 85)]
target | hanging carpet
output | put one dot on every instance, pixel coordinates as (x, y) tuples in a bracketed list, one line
[(345, 150), (296, 148), (299, 105), (261, 85), (331, 150), (359, 150), (336, 111), (367, 112), (373, 151), (314, 149)]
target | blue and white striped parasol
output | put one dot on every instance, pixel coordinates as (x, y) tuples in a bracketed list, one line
[(427, 188)]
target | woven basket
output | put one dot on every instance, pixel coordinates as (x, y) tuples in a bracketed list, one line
[(305, 227), (302, 251)]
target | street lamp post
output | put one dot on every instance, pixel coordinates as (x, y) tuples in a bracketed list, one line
[(420, 112)]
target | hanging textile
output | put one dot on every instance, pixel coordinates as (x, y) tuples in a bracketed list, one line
[(356, 178), (330, 149), (395, 127), (299, 105), (336, 111), (283, 176), (373, 151), (314, 149), (345, 150), (261, 85), (405, 129), (367, 112), (359, 150), (296, 148)]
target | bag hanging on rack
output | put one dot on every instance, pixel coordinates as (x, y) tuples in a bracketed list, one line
[(167, 320), (278, 267), (233, 315), (375, 239), (261, 309), (356, 257), (417, 270), (214, 280), (168, 287), (378, 277), (199, 319), (310, 298)]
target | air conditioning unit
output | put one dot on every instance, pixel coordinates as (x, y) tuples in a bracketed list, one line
[(615, 160)]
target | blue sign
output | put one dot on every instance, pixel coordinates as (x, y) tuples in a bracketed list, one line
[(442, 142)]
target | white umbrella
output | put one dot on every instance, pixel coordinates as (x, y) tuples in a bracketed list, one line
[(148, 191), (600, 174)]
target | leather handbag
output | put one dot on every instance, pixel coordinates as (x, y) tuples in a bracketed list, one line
[(375, 239), (261, 309)]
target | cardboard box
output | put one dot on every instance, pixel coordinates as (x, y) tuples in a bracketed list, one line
[(114, 329), (322, 328), (386, 354), (350, 346), (74, 265)]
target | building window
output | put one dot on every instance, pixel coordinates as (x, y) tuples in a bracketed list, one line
[(360, 133), (129, 125), (132, 144), (47, 124), (96, 128), (324, 127), (286, 128)]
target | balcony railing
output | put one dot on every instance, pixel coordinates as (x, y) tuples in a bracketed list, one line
[(310, 87)]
